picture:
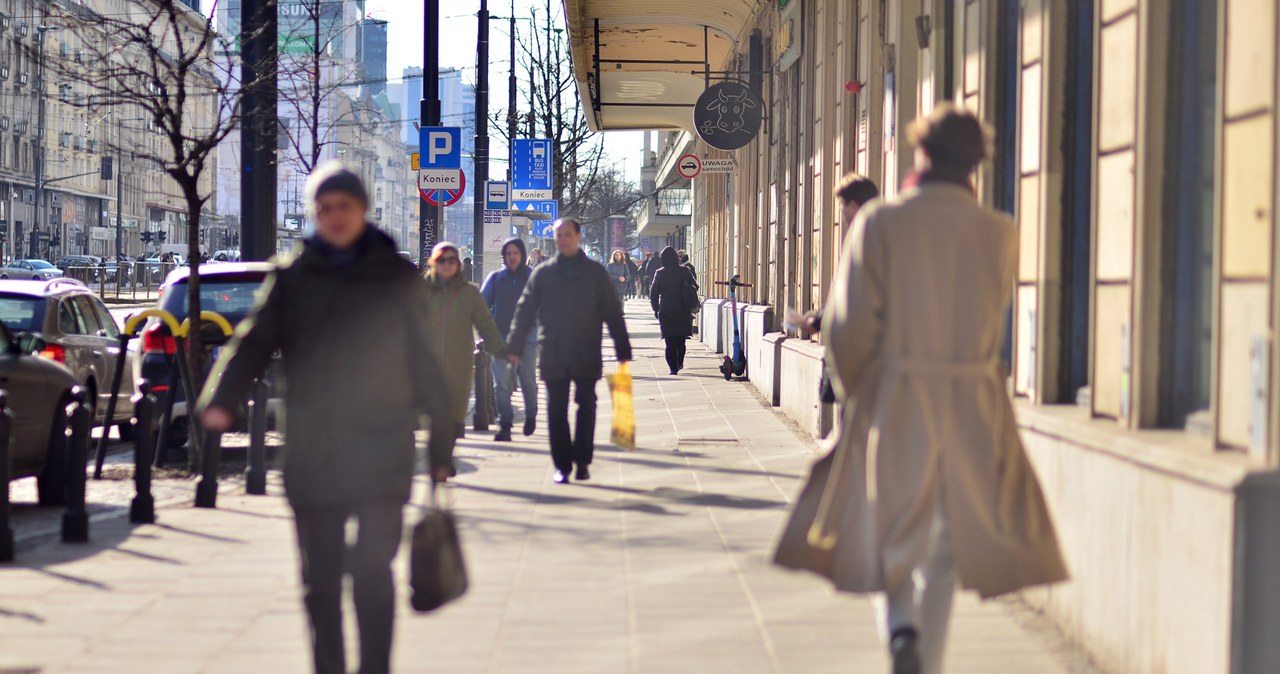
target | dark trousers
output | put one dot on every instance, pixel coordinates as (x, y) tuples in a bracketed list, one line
[(325, 558), (675, 353), (566, 449)]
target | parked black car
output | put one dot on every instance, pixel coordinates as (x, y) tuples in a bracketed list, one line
[(39, 390)]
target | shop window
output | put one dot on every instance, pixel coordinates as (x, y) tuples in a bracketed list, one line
[(1077, 211), (1187, 303)]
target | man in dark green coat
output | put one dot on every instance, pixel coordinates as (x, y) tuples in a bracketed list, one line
[(347, 315)]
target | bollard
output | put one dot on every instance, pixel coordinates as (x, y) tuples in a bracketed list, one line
[(75, 519), (6, 531), (483, 415), (101, 454), (211, 463), (255, 475), (142, 510), (166, 422), (194, 435)]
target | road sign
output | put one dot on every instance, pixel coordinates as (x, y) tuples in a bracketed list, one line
[(719, 166), (413, 162), (440, 179), (440, 147), (689, 166), (438, 196), (532, 169), (497, 195), (532, 195), (550, 207)]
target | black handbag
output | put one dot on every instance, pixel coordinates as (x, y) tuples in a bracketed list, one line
[(437, 571)]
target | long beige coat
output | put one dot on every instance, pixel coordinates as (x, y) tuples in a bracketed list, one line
[(914, 327)]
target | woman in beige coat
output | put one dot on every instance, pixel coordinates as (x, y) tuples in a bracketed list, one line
[(928, 483)]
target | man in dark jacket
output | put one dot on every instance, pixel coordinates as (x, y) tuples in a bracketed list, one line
[(347, 316), (674, 300), (648, 268), (501, 291), (569, 297)]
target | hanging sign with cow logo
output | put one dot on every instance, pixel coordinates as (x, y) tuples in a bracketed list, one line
[(727, 115)]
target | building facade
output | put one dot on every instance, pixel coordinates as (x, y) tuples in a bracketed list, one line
[(1135, 148)]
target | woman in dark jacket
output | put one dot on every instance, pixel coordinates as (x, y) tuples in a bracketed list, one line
[(619, 273), (674, 300)]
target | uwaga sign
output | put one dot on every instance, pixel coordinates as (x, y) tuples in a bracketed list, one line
[(727, 115)]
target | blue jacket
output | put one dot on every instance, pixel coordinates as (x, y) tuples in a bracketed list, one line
[(502, 290)]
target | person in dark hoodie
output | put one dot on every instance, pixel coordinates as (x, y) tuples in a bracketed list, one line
[(346, 313), (569, 297), (674, 298), (501, 291)]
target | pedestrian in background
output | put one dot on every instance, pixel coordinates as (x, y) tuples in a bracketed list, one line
[(569, 297), (501, 291), (347, 315), (674, 299), (633, 276), (648, 267), (454, 309), (929, 484), (619, 272), (684, 261), (468, 271), (535, 257)]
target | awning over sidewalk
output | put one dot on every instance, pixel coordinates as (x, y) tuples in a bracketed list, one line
[(640, 64)]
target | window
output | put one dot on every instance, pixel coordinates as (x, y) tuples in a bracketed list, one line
[(21, 314), (1187, 303), (1077, 211), (68, 322), (105, 319), (86, 316)]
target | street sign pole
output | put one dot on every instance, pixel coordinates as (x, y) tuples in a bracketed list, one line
[(482, 143), (429, 217)]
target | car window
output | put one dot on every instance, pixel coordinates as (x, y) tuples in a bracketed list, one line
[(105, 319), (21, 314), (67, 322), (23, 265), (41, 264), (87, 317), (231, 295)]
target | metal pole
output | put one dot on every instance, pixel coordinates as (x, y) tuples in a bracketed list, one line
[(210, 465), (142, 510), (6, 532), (75, 519), (430, 218), (255, 476), (482, 141), (259, 131), (40, 119), (118, 375), (511, 100), (119, 207)]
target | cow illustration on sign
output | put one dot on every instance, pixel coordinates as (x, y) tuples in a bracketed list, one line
[(727, 115)]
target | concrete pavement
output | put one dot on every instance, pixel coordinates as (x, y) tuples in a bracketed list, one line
[(659, 564)]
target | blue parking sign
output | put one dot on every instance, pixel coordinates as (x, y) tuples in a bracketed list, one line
[(440, 147)]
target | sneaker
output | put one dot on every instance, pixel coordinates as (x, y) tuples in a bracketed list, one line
[(905, 651), (530, 425), (503, 435)]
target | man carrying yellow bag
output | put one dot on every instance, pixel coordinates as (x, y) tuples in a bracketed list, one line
[(624, 412)]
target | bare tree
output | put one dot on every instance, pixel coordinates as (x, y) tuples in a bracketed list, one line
[(611, 194), (554, 111), (311, 76), (154, 59)]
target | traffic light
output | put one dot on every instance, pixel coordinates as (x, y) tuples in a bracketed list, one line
[(146, 237), (161, 236)]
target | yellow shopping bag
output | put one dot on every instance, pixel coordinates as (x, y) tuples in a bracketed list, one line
[(624, 412)]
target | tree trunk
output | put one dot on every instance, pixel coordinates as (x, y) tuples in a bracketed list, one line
[(194, 337)]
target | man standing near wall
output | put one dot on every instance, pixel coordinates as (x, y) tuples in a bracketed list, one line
[(569, 296)]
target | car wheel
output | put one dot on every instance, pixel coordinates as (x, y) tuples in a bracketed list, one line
[(51, 484)]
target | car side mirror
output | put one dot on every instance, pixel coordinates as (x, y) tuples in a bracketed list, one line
[(31, 343)]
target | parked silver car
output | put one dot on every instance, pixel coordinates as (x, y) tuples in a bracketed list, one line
[(29, 269)]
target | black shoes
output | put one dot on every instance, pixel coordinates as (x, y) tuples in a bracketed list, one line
[(561, 477), (906, 654), (503, 435), (530, 425), (675, 372), (583, 474)]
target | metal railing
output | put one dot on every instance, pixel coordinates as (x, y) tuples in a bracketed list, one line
[(124, 281)]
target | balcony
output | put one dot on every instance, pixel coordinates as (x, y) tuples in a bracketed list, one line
[(665, 212)]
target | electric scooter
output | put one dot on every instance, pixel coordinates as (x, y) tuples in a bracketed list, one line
[(736, 365)]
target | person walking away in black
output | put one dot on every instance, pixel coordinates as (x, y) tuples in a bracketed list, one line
[(633, 276), (618, 272), (648, 267), (468, 271), (569, 296), (501, 291), (346, 314), (684, 262), (674, 299)]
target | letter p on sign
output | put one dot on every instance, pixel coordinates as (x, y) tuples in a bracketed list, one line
[(441, 147)]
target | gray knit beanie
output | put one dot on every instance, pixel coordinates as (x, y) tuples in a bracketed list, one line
[(334, 176)]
